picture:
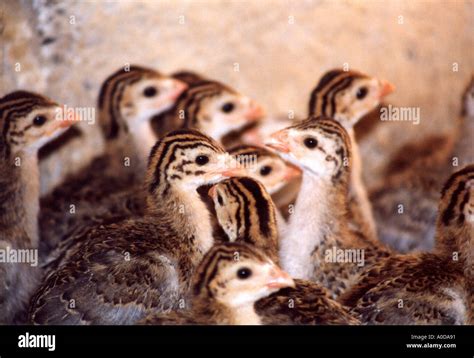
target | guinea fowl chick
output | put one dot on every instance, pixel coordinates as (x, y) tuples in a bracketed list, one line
[(211, 107), (406, 202), (118, 272), (246, 213), (347, 96), (225, 286), (27, 121), (272, 171), (128, 98), (318, 244), (427, 288)]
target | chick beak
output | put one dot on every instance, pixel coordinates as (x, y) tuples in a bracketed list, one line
[(386, 88), (292, 172), (178, 88), (279, 141), (255, 112), (279, 279), (224, 168), (67, 120)]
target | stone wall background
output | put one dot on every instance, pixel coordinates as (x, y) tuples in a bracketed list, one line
[(279, 61)]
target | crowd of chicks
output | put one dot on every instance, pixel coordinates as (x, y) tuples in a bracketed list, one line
[(181, 219)]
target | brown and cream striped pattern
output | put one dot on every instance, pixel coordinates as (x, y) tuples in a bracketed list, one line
[(334, 131), (110, 98), (323, 97), (185, 112), (254, 219), (162, 156), (217, 257), (13, 106)]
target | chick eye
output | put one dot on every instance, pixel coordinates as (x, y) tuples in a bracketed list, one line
[(310, 142), (150, 91), (39, 120), (265, 170), (228, 107), (244, 273), (361, 92), (219, 200), (202, 159)]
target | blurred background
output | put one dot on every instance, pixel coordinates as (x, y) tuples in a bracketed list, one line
[(280, 48)]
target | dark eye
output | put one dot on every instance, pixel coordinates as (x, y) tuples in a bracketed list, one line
[(244, 273), (150, 91), (361, 92), (219, 200), (202, 159), (39, 120), (310, 142), (265, 170), (228, 107)]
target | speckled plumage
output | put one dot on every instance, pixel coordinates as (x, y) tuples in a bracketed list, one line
[(85, 195), (426, 288), (27, 121), (118, 272), (245, 207), (412, 181), (307, 303), (319, 224), (219, 296)]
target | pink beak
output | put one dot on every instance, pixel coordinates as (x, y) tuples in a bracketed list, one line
[(279, 141), (179, 87), (255, 112), (279, 279), (292, 172), (386, 88)]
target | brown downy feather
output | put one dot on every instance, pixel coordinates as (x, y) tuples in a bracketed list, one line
[(86, 195), (318, 229), (221, 293), (246, 213), (347, 96), (27, 121), (412, 181), (426, 288), (119, 271)]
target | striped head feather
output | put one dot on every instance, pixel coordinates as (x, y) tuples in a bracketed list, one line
[(455, 224), (318, 145), (28, 121), (211, 107), (265, 166), (184, 159), (133, 95), (246, 213), (188, 77), (237, 275), (347, 96)]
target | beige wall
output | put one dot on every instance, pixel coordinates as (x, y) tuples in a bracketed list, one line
[(279, 62)]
